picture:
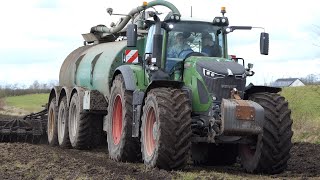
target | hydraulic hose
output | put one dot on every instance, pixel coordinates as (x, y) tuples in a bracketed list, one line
[(138, 9)]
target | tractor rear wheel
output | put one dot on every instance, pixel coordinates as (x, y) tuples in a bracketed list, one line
[(82, 126), (63, 131), (52, 129), (166, 129), (272, 149), (121, 145)]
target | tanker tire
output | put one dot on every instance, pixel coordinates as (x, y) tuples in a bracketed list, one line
[(166, 129), (121, 145), (63, 118), (52, 127), (81, 125), (272, 151)]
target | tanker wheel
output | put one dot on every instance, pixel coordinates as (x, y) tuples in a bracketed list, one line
[(166, 129), (271, 151), (82, 129), (63, 117), (121, 145), (213, 154), (52, 129)]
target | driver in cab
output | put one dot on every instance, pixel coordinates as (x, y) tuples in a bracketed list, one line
[(179, 46)]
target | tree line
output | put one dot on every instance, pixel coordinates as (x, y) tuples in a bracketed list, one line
[(311, 79), (18, 89)]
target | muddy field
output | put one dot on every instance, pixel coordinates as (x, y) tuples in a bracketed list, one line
[(28, 161)]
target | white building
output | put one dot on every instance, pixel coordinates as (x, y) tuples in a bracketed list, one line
[(287, 82)]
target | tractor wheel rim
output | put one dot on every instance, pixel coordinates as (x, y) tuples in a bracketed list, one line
[(150, 132), (117, 120)]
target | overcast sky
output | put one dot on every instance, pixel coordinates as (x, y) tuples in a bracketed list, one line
[(37, 35)]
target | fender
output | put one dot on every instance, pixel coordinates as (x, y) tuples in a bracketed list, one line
[(54, 93), (251, 89), (128, 76), (164, 83), (65, 91), (138, 101), (91, 101)]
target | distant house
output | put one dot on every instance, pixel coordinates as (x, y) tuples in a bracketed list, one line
[(288, 82)]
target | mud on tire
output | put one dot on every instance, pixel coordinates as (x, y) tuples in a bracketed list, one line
[(166, 129), (52, 127), (272, 150), (82, 128), (121, 145)]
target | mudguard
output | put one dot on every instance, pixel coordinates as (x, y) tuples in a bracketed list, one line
[(251, 89), (54, 93), (128, 75), (65, 91)]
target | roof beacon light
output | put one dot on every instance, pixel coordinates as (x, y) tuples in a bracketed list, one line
[(223, 10), (145, 3)]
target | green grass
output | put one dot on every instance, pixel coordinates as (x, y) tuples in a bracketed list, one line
[(31, 102), (304, 103)]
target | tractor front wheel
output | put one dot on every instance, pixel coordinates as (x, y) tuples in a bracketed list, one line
[(166, 129), (271, 151)]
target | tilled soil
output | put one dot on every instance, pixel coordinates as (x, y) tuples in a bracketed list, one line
[(29, 161)]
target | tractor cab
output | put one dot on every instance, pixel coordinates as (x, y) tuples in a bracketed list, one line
[(173, 40), (188, 38)]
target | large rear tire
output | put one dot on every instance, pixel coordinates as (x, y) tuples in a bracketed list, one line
[(166, 129), (52, 125), (272, 150), (63, 130), (121, 145), (82, 129)]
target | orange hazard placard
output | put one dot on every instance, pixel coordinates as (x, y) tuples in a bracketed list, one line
[(131, 56)]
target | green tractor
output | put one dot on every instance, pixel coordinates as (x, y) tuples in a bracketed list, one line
[(165, 91)]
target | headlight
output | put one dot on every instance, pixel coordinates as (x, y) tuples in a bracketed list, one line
[(211, 74)]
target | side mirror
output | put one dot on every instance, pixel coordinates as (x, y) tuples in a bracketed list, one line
[(157, 48), (109, 11), (264, 43), (132, 35)]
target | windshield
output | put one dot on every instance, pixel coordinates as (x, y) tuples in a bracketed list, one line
[(187, 38)]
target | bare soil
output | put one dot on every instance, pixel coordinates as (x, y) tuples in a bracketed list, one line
[(30, 161)]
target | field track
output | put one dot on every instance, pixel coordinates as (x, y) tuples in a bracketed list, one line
[(28, 161)]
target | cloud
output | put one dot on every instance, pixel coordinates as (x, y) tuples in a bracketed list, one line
[(47, 4), (27, 73)]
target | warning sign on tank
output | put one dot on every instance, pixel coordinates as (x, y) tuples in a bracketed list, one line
[(131, 56)]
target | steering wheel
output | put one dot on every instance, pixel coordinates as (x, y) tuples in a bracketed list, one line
[(187, 53), (184, 52)]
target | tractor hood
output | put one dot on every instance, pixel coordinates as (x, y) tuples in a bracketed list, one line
[(218, 66)]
